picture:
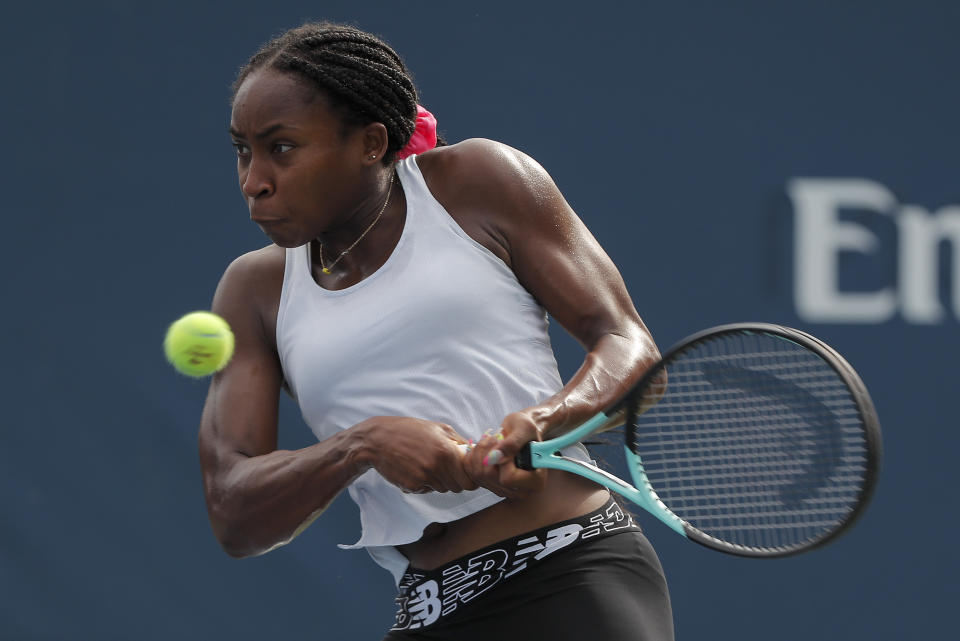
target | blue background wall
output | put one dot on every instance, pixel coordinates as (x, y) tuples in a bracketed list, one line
[(673, 131)]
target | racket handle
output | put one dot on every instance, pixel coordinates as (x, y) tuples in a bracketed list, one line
[(523, 459)]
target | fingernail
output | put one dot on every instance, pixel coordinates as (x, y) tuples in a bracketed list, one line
[(493, 458)]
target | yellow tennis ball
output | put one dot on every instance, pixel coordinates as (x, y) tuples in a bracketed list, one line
[(199, 344)]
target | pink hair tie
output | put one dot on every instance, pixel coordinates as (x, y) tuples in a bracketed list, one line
[(424, 137)]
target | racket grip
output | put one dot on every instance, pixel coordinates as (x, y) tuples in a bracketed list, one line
[(523, 459)]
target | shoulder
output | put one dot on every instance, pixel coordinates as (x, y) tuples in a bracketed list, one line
[(481, 164), (496, 193), (249, 291), (256, 270), (471, 151)]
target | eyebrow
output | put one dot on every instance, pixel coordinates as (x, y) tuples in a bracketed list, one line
[(264, 133)]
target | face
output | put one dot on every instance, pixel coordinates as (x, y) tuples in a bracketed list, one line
[(300, 174)]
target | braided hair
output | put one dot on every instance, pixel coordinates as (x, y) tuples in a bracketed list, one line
[(362, 76)]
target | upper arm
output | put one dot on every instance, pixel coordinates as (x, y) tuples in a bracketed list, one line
[(240, 414), (509, 203)]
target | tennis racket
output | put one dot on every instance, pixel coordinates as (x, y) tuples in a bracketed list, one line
[(763, 442)]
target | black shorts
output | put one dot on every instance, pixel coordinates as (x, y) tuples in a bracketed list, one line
[(604, 583)]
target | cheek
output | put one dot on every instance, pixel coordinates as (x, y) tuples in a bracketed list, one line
[(317, 186), (302, 179), (320, 196), (305, 198)]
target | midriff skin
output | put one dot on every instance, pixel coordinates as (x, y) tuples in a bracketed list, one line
[(565, 496)]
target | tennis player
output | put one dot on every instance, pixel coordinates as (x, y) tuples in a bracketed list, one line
[(403, 303)]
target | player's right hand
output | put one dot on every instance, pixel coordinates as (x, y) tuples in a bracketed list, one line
[(491, 461)]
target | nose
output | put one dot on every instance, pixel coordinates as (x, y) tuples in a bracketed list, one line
[(255, 181)]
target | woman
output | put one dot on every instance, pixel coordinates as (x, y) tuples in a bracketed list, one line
[(402, 304)]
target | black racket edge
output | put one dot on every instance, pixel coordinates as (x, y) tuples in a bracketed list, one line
[(858, 391)]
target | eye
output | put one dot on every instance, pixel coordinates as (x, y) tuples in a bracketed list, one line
[(282, 147), (242, 149)]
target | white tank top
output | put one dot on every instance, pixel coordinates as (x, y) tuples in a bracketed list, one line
[(442, 331)]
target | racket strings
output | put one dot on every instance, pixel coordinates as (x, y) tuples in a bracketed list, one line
[(757, 441)]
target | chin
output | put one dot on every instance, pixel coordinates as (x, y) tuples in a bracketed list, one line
[(287, 241)]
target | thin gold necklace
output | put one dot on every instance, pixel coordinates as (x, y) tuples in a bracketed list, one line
[(326, 269)]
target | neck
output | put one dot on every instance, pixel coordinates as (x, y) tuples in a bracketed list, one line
[(354, 221), (335, 247)]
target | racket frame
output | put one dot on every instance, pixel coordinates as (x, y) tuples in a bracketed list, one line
[(546, 454)]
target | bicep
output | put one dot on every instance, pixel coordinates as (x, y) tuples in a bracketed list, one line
[(574, 279), (559, 261)]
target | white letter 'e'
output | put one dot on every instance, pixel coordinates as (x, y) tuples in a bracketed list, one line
[(821, 235)]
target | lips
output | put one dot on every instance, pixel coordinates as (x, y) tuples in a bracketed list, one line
[(261, 215), (267, 221)]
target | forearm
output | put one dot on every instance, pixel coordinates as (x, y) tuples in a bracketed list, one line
[(257, 503), (613, 365)]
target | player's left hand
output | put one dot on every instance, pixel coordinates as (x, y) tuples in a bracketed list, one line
[(490, 462)]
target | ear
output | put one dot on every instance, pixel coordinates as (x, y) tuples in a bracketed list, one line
[(375, 141)]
